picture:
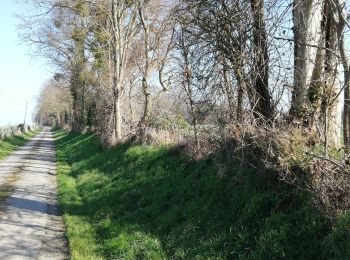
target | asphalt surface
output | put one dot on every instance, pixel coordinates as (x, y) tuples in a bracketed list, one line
[(30, 224)]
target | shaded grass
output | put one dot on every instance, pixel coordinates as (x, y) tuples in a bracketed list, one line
[(151, 202), (8, 145)]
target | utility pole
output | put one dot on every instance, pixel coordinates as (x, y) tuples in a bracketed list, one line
[(25, 115)]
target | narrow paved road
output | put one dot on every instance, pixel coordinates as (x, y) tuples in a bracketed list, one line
[(30, 226)]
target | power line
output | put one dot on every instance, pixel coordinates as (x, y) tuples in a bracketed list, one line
[(11, 100)]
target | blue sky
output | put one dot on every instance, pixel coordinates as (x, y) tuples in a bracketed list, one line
[(21, 76)]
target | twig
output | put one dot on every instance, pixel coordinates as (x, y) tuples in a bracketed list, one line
[(328, 160)]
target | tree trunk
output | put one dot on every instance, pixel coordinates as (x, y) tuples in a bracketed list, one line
[(332, 87), (241, 86), (57, 121), (116, 70), (78, 106), (339, 5), (263, 106), (187, 83), (346, 113), (228, 90), (314, 93), (117, 120), (145, 89), (307, 16), (147, 105)]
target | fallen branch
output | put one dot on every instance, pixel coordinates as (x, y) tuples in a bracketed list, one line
[(344, 168)]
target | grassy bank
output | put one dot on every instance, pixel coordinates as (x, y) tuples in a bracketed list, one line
[(145, 202), (8, 145)]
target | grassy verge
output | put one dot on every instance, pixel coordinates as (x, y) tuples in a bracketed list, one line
[(146, 202), (8, 145)]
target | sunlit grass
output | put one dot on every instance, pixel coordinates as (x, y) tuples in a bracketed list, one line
[(151, 202), (8, 145)]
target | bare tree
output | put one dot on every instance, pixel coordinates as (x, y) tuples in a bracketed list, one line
[(185, 60), (155, 26), (54, 103)]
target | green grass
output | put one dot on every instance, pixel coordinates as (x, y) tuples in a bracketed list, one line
[(8, 145), (148, 202)]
